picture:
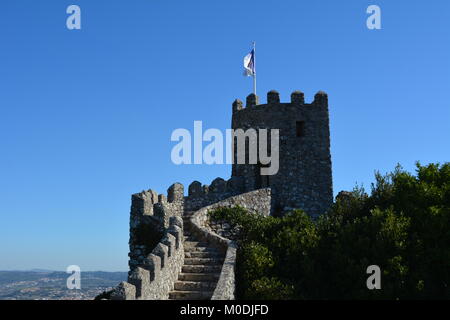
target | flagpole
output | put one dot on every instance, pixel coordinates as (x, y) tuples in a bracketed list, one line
[(254, 67)]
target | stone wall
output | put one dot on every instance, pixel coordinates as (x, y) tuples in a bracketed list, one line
[(155, 276), (257, 202), (152, 212), (200, 196)]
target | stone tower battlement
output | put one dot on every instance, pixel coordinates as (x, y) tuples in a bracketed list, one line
[(304, 179)]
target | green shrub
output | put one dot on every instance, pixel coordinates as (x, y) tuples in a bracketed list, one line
[(269, 289), (403, 226)]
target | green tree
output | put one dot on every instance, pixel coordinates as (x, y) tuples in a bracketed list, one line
[(403, 226)]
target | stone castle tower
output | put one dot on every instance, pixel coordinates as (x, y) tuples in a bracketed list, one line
[(175, 251), (304, 179)]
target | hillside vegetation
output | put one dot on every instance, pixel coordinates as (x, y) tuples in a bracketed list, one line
[(403, 226)]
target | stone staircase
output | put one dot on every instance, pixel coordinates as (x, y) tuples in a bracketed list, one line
[(201, 268)]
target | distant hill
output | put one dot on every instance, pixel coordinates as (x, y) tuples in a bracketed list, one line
[(39, 284), (40, 270)]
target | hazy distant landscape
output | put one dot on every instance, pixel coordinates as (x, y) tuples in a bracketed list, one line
[(51, 285)]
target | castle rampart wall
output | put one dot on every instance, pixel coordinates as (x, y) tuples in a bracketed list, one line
[(203, 195), (151, 213), (154, 278)]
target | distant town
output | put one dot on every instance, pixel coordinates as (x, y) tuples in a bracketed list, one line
[(51, 285)]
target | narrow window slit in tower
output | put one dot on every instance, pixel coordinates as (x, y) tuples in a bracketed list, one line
[(300, 128)]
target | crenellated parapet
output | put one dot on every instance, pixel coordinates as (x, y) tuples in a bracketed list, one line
[(159, 207), (155, 276), (149, 219), (202, 195), (273, 99)]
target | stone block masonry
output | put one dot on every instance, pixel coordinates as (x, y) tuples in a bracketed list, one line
[(304, 179)]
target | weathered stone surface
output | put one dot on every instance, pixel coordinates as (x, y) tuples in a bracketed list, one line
[(153, 276), (252, 100), (218, 186), (176, 221), (235, 185), (226, 286), (124, 291), (162, 198), (273, 97), (237, 105), (175, 192), (217, 191), (298, 97), (195, 189), (304, 179)]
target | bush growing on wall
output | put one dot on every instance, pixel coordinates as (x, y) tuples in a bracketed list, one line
[(403, 226)]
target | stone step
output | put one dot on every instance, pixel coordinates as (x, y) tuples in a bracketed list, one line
[(195, 286), (200, 249), (201, 269), (207, 254), (190, 295), (202, 261), (198, 276), (190, 244)]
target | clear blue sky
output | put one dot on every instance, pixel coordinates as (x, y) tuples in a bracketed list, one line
[(86, 116)]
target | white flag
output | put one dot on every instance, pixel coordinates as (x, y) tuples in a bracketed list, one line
[(249, 64)]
